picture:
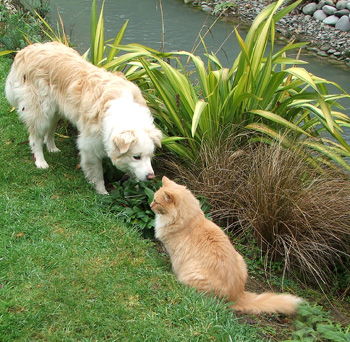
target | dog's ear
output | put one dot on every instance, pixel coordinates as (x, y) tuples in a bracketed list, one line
[(156, 135), (124, 140)]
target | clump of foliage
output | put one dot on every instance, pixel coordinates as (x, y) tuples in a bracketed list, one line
[(313, 324), (42, 7), (297, 212), (18, 23), (131, 201)]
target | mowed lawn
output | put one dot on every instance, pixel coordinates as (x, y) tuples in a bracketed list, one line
[(69, 271)]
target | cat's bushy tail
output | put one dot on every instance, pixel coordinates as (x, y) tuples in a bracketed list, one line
[(267, 303)]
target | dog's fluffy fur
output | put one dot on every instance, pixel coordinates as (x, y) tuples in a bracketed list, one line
[(50, 81)]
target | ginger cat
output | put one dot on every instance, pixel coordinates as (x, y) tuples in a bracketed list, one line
[(202, 255)]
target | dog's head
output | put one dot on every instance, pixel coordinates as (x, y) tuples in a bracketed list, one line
[(130, 136), (133, 151)]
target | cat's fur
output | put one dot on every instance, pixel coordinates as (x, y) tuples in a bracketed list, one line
[(202, 255)]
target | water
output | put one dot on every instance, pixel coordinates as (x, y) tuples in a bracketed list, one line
[(182, 25)]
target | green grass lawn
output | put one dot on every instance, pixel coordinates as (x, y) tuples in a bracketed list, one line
[(69, 271)]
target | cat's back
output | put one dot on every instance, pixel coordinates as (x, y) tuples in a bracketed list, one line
[(211, 239), (211, 261)]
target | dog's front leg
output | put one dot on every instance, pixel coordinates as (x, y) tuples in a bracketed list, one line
[(92, 167), (36, 145)]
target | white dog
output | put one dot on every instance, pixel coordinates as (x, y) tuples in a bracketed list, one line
[(50, 81)]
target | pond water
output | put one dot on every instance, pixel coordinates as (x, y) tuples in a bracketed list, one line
[(182, 24)]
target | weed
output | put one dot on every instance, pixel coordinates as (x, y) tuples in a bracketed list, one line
[(313, 324), (131, 201), (224, 7)]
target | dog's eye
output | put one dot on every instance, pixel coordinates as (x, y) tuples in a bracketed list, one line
[(137, 157)]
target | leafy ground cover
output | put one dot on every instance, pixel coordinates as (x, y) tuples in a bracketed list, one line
[(69, 271)]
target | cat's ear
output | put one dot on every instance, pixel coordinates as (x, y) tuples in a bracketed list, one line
[(165, 180), (168, 197)]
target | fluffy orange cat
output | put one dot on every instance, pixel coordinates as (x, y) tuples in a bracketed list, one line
[(202, 255)]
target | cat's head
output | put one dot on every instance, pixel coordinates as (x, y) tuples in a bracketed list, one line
[(164, 201), (173, 198)]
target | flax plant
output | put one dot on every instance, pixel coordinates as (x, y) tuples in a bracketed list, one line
[(264, 92)]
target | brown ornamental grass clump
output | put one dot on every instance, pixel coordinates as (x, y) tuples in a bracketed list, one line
[(296, 212)]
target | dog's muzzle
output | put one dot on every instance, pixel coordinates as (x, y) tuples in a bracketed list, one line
[(150, 176)]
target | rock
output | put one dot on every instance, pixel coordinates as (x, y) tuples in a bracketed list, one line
[(322, 53), (331, 20), (206, 8), (325, 47), (310, 8), (348, 5), (342, 12), (283, 21), (320, 15), (321, 4), (331, 51), (330, 10), (341, 4), (343, 24)]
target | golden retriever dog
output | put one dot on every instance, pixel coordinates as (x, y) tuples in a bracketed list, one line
[(52, 81)]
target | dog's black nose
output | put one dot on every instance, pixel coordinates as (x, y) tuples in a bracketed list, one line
[(150, 176)]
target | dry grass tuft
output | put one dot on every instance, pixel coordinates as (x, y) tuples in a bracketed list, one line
[(297, 213)]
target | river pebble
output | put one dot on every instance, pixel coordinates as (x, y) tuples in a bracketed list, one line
[(319, 15), (310, 9), (329, 10), (343, 24), (331, 20)]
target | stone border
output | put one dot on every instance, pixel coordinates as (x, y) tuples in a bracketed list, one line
[(324, 41)]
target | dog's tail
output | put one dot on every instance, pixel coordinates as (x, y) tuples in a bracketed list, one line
[(267, 303)]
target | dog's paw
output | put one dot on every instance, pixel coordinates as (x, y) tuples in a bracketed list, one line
[(53, 149), (41, 164), (102, 192), (100, 189)]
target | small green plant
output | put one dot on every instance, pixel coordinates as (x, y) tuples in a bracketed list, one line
[(223, 7), (314, 325), (131, 201), (42, 7), (15, 25)]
